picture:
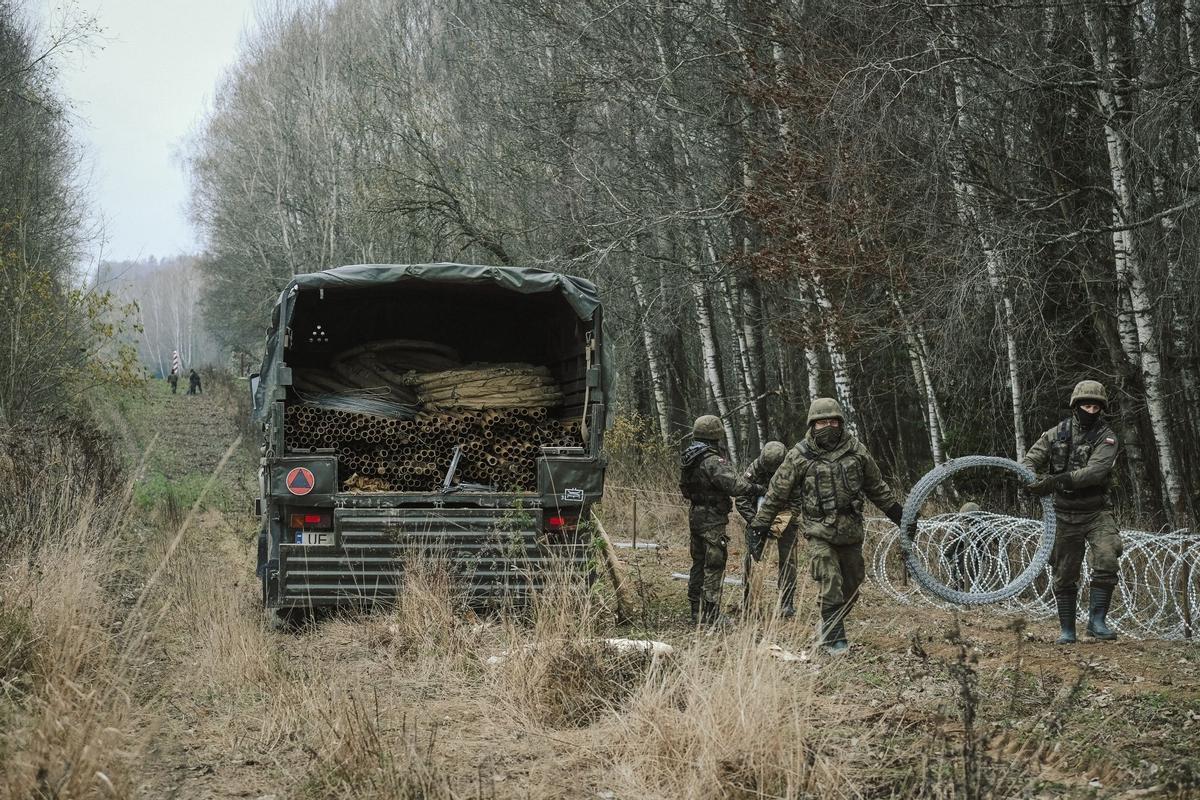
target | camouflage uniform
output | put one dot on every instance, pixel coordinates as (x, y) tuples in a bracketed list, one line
[(1078, 463), (707, 480), (824, 491), (760, 471)]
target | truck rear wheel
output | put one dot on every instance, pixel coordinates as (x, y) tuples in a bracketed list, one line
[(276, 619)]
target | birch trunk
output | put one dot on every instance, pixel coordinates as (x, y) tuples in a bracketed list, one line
[(710, 354), (971, 213), (812, 358), (924, 383), (1105, 58), (750, 339), (657, 375), (709, 346), (732, 300), (837, 360)]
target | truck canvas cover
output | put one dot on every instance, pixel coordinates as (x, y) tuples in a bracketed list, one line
[(579, 293)]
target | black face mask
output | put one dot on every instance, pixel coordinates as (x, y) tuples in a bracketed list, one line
[(828, 438), (1087, 421)]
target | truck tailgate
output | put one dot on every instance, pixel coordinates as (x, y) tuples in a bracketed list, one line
[(491, 554)]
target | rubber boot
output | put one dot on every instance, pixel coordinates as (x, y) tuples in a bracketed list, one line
[(787, 597), (1101, 596), (833, 629), (695, 612), (710, 613), (1067, 605)]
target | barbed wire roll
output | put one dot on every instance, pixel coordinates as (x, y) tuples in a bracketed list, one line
[(1158, 594), (992, 556)]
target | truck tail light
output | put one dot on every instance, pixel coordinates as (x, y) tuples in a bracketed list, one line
[(311, 520), (559, 522)]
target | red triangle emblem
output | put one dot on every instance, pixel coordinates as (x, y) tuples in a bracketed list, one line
[(300, 481)]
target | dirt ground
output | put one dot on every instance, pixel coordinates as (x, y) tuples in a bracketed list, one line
[(348, 706)]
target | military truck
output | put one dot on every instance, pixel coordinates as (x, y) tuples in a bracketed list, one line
[(444, 412)]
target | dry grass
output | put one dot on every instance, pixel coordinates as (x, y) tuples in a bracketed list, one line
[(557, 670), (427, 632), (360, 758), (72, 730), (725, 720)]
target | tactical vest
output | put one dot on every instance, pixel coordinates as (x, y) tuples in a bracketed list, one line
[(832, 487), (1069, 453), (695, 486)]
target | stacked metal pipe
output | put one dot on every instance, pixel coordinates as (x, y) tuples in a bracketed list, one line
[(499, 446)]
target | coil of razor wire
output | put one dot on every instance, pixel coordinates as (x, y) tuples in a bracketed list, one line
[(360, 401), (1158, 595), (1004, 583)]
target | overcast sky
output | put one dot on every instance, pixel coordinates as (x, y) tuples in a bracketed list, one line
[(137, 97)]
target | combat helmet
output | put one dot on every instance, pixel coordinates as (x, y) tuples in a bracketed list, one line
[(1089, 390), (969, 508), (773, 454), (825, 408), (708, 428)]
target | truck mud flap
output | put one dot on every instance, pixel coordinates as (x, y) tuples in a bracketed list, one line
[(491, 556)]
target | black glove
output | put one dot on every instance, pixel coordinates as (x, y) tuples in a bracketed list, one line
[(894, 512), (756, 540), (1046, 484)]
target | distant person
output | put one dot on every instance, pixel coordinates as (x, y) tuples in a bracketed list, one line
[(1075, 462), (194, 383), (173, 379)]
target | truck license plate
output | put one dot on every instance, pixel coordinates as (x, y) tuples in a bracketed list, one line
[(318, 538)]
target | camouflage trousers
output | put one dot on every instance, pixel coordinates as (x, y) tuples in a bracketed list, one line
[(1097, 530), (838, 570), (787, 566), (786, 542), (709, 547)]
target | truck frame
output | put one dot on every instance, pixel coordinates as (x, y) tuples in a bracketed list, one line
[(323, 546)]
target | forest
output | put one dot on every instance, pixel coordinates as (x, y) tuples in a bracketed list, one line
[(942, 214)]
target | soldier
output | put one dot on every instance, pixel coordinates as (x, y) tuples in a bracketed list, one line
[(1074, 460), (708, 481), (760, 471), (822, 482), (173, 379), (194, 383)]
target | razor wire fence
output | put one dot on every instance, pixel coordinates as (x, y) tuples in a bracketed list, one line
[(978, 553)]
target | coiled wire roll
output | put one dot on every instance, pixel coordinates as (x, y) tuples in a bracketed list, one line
[(1157, 597), (919, 559)]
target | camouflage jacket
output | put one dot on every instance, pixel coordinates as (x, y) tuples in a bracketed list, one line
[(758, 473), (824, 490), (708, 480), (1086, 457)]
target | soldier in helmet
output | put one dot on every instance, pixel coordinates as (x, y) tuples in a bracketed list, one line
[(822, 482), (1075, 462), (707, 480), (760, 471)]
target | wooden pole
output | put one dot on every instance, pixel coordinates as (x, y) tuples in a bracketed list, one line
[(635, 522), (616, 574)]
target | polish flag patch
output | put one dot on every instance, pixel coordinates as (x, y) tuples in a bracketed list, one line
[(1110, 440)]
